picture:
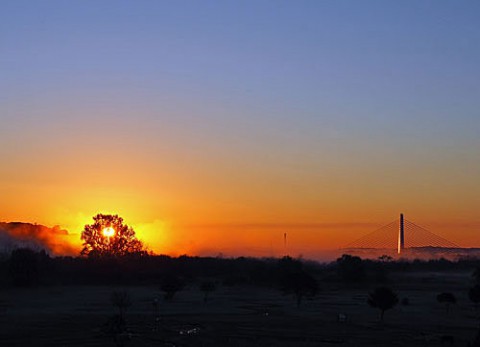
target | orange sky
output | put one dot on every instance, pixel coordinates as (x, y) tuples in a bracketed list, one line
[(204, 198)]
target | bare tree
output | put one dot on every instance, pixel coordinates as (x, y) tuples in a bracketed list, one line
[(116, 326), (122, 300)]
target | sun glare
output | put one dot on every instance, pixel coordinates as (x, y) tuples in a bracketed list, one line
[(108, 232)]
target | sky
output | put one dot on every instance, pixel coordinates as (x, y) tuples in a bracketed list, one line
[(217, 126)]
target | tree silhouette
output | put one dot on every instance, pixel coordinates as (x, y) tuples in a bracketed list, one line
[(301, 284), (108, 236), (121, 300), (350, 268), (385, 258), (474, 295), (170, 285), (447, 299), (24, 266), (382, 298), (476, 275), (116, 326), (476, 341), (207, 287), (288, 265)]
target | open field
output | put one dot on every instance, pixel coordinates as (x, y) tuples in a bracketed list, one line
[(240, 316)]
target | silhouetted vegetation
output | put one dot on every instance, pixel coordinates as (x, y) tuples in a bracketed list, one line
[(447, 299), (476, 275), (121, 299), (296, 277), (350, 268), (382, 298), (170, 285), (117, 329), (474, 295), (385, 258), (476, 340), (301, 284), (109, 237), (207, 287), (26, 266)]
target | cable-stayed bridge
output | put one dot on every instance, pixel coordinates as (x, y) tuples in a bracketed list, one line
[(402, 235)]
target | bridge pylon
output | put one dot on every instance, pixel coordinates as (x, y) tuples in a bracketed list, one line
[(391, 237), (401, 235)]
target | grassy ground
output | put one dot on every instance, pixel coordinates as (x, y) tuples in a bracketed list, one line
[(240, 316)]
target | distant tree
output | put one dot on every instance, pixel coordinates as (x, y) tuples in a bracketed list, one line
[(207, 287), (301, 284), (108, 236), (447, 299), (476, 275), (288, 265), (476, 341), (474, 295), (170, 285), (24, 266), (350, 268), (380, 271), (116, 326), (382, 298), (121, 300), (385, 258)]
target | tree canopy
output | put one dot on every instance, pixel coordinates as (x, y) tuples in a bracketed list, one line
[(108, 236), (350, 268), (382, 298)]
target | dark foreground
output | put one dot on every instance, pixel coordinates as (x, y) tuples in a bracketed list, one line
[(241, 315)]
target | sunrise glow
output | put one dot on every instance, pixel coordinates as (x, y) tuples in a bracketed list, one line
[(108, 232), (264, 173)]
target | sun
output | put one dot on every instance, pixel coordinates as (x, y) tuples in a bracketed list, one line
[(108, 232)]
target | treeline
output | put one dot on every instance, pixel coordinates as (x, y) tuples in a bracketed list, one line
[(26, 267)]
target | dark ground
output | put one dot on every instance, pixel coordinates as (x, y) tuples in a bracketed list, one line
[(241, 316)]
